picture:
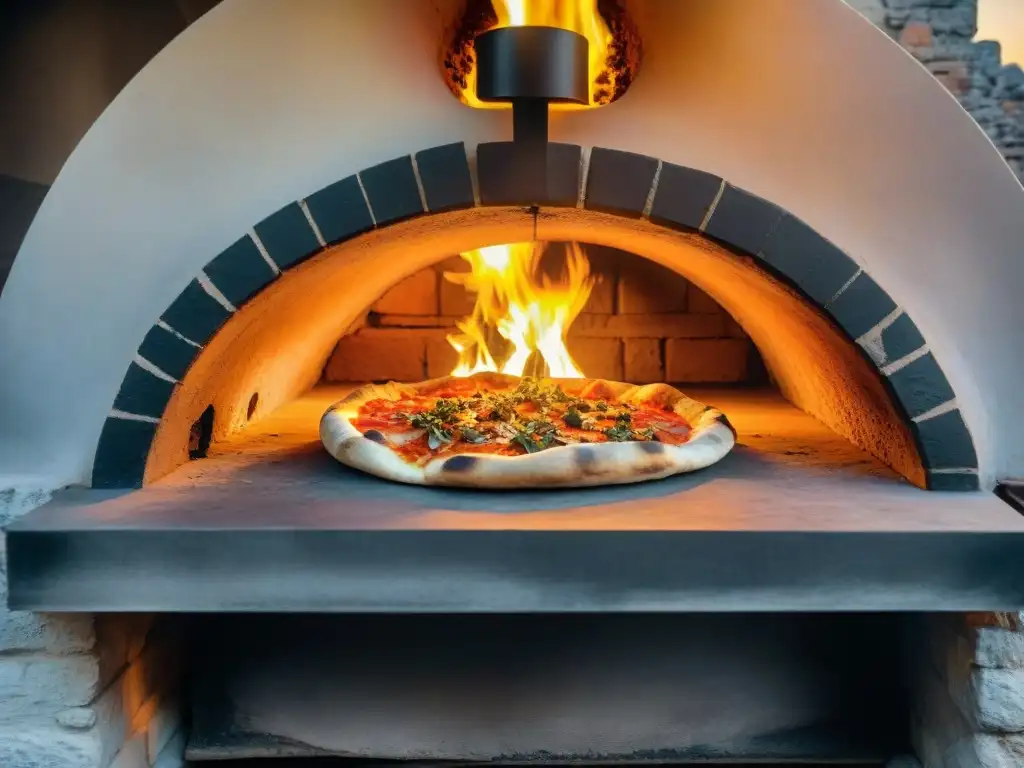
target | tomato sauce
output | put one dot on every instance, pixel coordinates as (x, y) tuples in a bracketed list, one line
[(391, 417)]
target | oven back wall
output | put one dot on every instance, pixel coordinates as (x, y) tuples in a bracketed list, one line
[(253, 107)]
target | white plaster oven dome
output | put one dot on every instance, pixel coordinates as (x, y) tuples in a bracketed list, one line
[(255, 106)]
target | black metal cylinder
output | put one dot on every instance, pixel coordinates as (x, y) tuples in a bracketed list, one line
[(544, 63)]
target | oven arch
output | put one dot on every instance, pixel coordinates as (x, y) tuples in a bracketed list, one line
[(861, 364)]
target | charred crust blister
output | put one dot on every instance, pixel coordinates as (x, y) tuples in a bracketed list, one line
[(460, 463), (586, 460), (375, 436), (652, 447)]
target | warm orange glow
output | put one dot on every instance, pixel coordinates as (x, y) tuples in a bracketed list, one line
[(529, 310), (577, 15)]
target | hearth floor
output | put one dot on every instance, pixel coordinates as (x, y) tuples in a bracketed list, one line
[(794, 518)]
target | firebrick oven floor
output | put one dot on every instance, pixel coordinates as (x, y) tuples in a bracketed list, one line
[(795, 518)]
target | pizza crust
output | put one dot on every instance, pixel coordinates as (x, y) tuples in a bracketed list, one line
[(566, 466)]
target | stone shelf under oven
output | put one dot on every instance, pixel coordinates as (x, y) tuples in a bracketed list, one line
[(795, 519)]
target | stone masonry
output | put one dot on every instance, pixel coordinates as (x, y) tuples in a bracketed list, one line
[(967, 679), (940, 34), (643, 323), (80, 691)]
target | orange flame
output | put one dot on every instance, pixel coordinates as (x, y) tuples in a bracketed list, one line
[(532, 314), (580, 16)]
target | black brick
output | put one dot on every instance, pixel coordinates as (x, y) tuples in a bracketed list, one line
[(814, 264), (167, 351), (921, 386), (340, 210), (122, 452), (742, 220), (142, 393), (287, 236), (684, 196), (945, 442), (239, 271), (862, 306), (504, 176), (952, 482), (195, 314), (444, 172), (901, 338), (619, 182), (392, 191)]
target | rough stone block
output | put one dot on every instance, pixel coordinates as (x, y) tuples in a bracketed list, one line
[(240, 271), (642, 361), (49, 633), (692, 361), (392, 190), (700, 303), (340, 211), (143, 393), (195, 314), (379, 356), (997, 648), (742, 221), (998, 699), (77, 718), (598, 358), (647, 288), (41, 686), (49, 747), (810, 261), (683, 197), (415, 295), (619, 182), (444, 173)]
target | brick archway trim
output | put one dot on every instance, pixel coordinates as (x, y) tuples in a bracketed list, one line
[(621, 183)]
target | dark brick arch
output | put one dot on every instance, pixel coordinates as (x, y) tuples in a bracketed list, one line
[(621, 183)]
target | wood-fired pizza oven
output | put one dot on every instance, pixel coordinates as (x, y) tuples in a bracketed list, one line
[(793, 259)]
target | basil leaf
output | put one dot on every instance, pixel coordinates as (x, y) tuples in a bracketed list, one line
[(470, 435), (572, 418)]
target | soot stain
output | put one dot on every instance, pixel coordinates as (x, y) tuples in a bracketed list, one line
[(461, 463), (586, 460), (375, 436), (655, 449)]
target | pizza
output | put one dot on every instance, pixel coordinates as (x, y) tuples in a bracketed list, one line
[(496, 431)]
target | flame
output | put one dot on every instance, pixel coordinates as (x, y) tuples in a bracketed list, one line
[(528, 310), (580, 16)]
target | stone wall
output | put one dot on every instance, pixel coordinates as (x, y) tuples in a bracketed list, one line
[(968, 686), (81, 691), (940, 34), (643, 323)]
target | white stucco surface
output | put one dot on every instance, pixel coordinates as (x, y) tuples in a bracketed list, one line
[(260, 103)]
